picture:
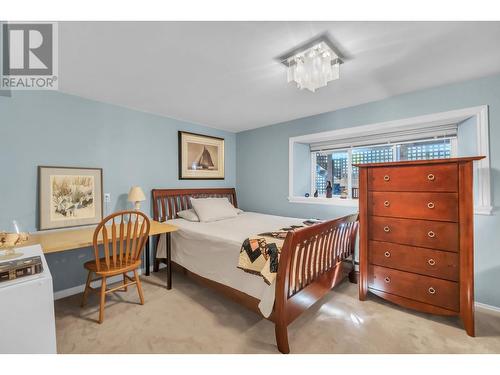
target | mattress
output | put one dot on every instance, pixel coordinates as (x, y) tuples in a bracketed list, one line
[(211, 250)]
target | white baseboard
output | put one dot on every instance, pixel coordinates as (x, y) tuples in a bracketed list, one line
[(488, 308), (80, 288)]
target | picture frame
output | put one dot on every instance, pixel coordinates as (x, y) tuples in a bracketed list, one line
[(69, 197), (201, 157)]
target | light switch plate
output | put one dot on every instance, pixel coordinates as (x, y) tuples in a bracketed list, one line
[(107, 197)]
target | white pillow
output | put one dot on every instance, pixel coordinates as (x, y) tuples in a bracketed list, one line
[(213, 209), (189, 215)]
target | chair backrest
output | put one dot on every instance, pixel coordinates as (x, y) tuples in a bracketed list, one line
[(124, 235)]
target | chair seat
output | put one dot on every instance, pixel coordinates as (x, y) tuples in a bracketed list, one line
[(112, 269)]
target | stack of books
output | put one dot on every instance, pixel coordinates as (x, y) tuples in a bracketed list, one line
[(20, 267)]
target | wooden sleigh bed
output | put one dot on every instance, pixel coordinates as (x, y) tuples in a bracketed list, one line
[(313, 259)]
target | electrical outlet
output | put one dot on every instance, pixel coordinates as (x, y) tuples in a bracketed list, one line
[(107, 197)]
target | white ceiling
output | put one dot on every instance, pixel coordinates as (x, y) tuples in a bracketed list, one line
[(225, 74)]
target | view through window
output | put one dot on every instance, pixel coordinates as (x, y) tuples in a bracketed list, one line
[(335, 165)]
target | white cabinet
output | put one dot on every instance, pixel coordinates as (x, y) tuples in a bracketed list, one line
[(27, 323)]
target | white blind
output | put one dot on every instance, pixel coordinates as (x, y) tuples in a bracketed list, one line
[(386, 137)]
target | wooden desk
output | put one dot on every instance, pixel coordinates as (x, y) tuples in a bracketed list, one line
[(69, 239)]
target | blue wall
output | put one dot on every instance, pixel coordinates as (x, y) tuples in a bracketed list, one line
[(302, 161), (133, 148), (271, 192)]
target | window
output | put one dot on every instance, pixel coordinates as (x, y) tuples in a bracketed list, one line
[(457, 133), (336, 165), (333, 167)]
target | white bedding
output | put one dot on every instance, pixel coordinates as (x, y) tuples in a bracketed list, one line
[(212, 249)]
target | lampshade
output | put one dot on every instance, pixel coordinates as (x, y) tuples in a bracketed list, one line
[(136, 194)]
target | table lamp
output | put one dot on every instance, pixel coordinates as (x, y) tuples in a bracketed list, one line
[(136, 195)]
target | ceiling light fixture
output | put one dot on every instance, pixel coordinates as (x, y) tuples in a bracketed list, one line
[(313, 65)]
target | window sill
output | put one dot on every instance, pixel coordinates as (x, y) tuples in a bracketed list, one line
[(483, 210), (335, 201)]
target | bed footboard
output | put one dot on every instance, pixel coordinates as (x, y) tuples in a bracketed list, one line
[(310, 266)]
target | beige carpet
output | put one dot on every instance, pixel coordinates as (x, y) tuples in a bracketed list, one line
[(193, 319)]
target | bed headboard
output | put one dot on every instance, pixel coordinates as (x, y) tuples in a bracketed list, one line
[(167, 202)]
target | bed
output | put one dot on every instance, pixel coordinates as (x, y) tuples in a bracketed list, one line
[(313, 259)]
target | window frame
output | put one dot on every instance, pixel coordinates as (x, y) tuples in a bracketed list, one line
[(483, 203)]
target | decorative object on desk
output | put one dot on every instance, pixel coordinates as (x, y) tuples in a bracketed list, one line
[(329, 189), (316, 194), (201, 157), (9, 240), (307, 195), (69, 196), (15, 269), (136, 196)]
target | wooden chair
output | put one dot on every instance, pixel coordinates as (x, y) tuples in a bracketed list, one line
[(129, 232)]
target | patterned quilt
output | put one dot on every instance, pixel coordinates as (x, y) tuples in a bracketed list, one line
[(260, 254)]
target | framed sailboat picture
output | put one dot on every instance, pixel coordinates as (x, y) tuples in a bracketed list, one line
[(201, 157)]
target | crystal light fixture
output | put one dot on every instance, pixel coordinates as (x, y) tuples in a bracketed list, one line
[(313, 65)]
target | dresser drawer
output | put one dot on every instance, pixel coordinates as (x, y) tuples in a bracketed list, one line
[(420, 288), (429, 206), (422, 233), (437, 177), (435, 263)]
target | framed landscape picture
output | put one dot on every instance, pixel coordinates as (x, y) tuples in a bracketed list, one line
[(201, 157), (69, 196)]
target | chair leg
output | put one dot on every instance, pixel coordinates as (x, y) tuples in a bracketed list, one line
[(103, 300), (139, 286), (125, 282), (87, 289)]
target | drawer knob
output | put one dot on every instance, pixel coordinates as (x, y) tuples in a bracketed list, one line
[(432, 290), (386, 177), (387, 279), (387, 229), (431, 177), (387, 203), (430, 205), (387, 254), (431, 262), (431, 234)]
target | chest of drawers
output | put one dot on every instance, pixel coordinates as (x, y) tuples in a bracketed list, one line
[(416, 235)]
